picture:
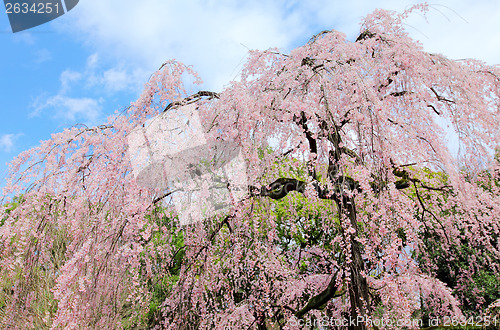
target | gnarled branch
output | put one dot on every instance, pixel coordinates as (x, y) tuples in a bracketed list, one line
[(322, 298), (192, 99)]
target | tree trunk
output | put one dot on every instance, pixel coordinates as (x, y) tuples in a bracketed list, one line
[(358, 287)]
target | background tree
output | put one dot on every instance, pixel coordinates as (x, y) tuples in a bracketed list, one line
[(340, 219)]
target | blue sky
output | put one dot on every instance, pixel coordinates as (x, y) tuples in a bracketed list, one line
[(94, 60)]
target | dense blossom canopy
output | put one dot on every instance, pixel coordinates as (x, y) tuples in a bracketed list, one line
[(355, 205)]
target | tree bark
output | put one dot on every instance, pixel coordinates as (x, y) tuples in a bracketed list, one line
[(358, 286)]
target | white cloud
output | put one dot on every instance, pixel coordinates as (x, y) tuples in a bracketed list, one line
[(42, 55), (115, 79), (92, 61), (26, 37), (461, 29), (7, 141), (118, 78), (70, 109), (68, 78), (214, 35), (96, 76), (81, 94)]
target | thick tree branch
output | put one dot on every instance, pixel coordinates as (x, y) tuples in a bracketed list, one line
[(159, 198), (282, 186), (302, 122), (351, 153), (322, 298), (279, 188), (192, 99), (365, 35), (405, 180), (313, 146)]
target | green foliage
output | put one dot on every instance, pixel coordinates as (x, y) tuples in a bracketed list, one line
[(305, 228), (11, 206), (34, 284), (483, 286), (162, 282)]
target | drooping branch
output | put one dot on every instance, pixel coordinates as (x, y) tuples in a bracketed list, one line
[(417, 136), (211, 237), (440, 97), (192, 99), (316, 36), (424, 209), (434, 109), (389, 79)]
